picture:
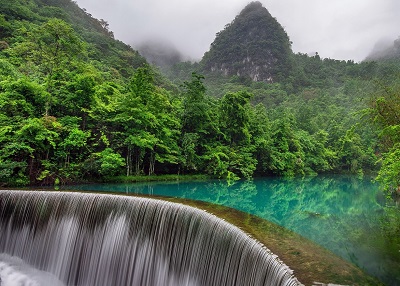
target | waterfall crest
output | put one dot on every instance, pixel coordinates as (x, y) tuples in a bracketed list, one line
[(93, 239)]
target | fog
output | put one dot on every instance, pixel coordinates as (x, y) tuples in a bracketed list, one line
[(338, 29)]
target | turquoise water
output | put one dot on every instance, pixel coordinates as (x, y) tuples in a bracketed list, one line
[(344, 214)]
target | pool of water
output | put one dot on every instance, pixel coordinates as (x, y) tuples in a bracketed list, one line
[(345, 214)]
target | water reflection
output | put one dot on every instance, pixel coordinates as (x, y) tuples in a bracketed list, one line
[(342, 213)]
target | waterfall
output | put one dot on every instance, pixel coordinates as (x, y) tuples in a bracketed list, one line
[(61, 238)]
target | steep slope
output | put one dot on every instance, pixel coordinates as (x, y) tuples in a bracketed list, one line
[(102, 45), (389, 53), (254, 45)]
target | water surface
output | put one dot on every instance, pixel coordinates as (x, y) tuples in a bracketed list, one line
[(342, 213)]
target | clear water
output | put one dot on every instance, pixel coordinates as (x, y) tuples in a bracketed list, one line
[(344, 214)]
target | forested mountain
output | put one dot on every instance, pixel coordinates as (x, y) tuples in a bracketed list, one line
[(20, 16), (75, 104), (391, 52), (254, 45)]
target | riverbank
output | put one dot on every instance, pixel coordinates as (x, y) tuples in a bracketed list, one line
[(155, 178)]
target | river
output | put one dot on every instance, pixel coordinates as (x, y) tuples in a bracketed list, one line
[(345, 214)]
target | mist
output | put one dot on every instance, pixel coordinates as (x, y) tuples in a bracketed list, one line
[(160, 52), (338, 29)]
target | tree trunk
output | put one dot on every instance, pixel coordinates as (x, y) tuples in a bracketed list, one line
[(138, 155), (152, 163), (129, 162)]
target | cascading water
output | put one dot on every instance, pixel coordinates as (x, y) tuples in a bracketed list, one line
[(57, 238)]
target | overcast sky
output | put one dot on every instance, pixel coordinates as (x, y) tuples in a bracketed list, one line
[(337, 29)]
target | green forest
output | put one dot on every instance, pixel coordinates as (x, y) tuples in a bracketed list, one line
[(77, 105)]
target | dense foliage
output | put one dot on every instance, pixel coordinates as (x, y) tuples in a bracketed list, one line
[(385, 112), (75, 105)]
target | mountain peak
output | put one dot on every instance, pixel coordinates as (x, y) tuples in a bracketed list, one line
[(252, 6), (253, 45)]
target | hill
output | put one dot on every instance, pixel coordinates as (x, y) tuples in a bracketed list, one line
[(254, 45), (19, 15), (391, 52)]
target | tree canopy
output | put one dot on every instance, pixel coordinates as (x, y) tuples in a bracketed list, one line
[(75, 104)]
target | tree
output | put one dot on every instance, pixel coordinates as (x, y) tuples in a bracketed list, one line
[(389, 174), (145, 124), (195, 117), (134, 121), (52, 49), (385, 112), (39, 137), (5, 28), (110, 162), (235, 117), (55, 45), (260, 130), (287, 156), (235, 157), (196, 120)]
